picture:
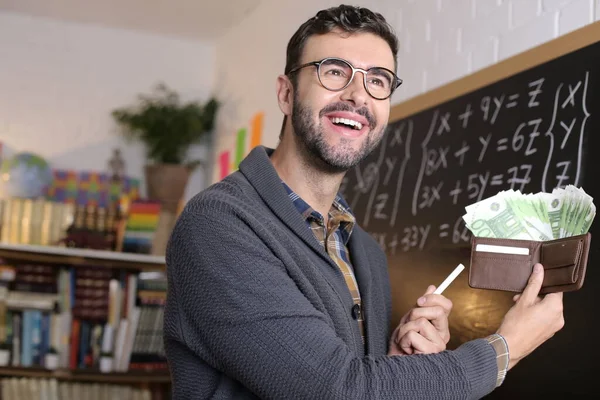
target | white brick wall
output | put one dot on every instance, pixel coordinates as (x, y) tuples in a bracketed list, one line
[(523, 11), (481, 29), (575, 15), (455, 13), (549, 5), (485, 53), (453, 66), (483, 8), (59, 82), (535, 32)]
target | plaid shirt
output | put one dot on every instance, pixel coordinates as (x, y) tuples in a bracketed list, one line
[(334, 239)]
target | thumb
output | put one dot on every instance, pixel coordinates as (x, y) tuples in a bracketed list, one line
[(422, 300), (534, 285), (430, 289)]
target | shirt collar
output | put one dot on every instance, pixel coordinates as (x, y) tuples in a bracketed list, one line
[(339, 206)]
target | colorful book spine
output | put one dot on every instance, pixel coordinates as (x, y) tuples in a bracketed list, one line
[(140, 229)]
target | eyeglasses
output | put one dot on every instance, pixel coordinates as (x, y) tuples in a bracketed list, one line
[(336, 74)]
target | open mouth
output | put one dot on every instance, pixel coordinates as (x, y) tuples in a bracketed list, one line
[(347, 123)]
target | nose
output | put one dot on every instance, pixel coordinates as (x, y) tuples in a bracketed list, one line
[(356, 92)]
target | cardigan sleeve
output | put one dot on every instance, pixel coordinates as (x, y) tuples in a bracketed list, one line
[(233, 307)]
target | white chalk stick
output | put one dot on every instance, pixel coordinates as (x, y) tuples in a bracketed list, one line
[(449, 279)]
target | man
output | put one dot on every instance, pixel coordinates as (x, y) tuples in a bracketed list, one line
[(275, 291)]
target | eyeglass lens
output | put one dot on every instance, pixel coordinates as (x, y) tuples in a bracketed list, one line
[(335, 74)]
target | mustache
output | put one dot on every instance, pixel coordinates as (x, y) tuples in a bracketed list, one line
[(363, 111)]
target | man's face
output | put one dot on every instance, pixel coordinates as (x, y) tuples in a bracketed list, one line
[(320, 116)]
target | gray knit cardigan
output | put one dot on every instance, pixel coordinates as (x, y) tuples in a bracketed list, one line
[(257, 309)]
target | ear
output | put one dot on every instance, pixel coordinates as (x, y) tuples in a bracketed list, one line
[(285, 94)]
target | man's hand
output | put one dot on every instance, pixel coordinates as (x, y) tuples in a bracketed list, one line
[(424, 329), (533, 319)]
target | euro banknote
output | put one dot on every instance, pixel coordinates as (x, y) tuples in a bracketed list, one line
[(539, 216)]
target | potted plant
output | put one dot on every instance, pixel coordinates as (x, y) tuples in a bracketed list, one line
[(51, 359), (4, 354), (106, 362), (167, 127)]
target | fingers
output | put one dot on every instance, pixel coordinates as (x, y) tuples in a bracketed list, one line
[(421, 326), (516, 298), (430, 289), (431, 317), (533, 319), (436, 315), (415, 343), (432, 300), (432, 312), (553, 304), (420, 336), (532, 290), (556, 300), (423, 299), (429, 299)]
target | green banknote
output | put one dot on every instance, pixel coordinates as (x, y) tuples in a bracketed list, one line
[(552, 204), (526, 208), (495, 217), (541, 216)]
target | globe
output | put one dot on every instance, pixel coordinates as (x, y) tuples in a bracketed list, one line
[(24, 175)]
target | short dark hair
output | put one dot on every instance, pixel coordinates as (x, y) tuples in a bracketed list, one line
[(349, 19)]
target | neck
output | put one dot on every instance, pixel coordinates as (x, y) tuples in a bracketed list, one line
[(316, 187)]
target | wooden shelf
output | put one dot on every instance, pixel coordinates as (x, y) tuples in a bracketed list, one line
[(75, 257), (89, 375)]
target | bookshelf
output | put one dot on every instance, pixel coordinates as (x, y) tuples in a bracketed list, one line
[(76, 257), (130, 279), (132, 377)]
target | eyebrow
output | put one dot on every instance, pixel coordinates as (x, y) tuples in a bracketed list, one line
[(357, 66), (371, 66)]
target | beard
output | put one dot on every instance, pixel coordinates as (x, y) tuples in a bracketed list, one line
[(332, 158)]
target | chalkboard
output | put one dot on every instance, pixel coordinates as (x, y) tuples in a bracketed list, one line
[(530, 123)]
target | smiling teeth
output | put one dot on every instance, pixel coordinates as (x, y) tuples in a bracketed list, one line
[(347, 121)]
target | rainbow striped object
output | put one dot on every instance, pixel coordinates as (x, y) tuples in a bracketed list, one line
[(142, 222)]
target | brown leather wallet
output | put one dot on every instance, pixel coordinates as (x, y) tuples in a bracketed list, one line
[(506, 264)]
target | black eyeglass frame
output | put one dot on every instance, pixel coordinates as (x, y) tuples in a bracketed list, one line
[(317, 64)]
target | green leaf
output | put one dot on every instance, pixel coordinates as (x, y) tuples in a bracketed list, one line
[(166, 126)]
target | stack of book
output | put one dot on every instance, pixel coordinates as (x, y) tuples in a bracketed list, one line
[(34, 221), (82, 314), (51, 389), (141, 225)]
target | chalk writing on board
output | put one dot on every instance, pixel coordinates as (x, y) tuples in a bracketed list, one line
[(527, 136)]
